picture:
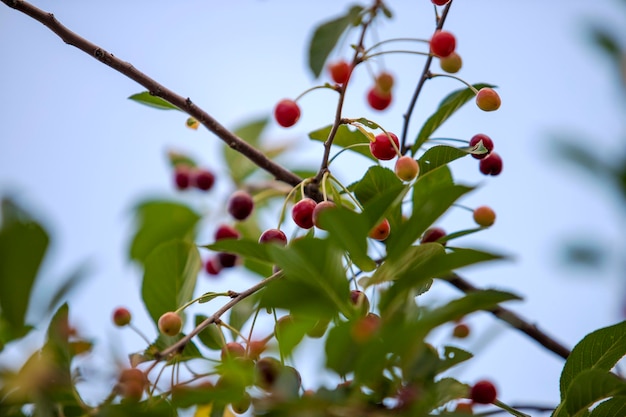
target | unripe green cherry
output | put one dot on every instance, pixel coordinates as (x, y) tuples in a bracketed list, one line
[(451, 63), (487, 99), (407, 168), (170, 323), (484, 216)]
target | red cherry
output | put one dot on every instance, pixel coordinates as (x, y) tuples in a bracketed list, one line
[(442, 43), (440, 2), (273, 235), (378, 99), (227, 260), (182, 177), (287, 113), (433, 234), (491, 164), (483, 392), (240, 205), (339, 71), (302, 213), (382, 148), (203, 179), (213, 266), (225, 231), (487, 143)]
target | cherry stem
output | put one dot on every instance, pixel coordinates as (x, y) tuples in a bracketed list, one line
[(317, 87), (345, 190), (421, 82), (356, 145), (397, 51), (431, 75), (376, 45)]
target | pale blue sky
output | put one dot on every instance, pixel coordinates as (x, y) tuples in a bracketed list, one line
[(81, 155)]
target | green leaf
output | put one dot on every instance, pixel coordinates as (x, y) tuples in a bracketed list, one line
[(153, 101), (23, 244), (439, 155), (470, 303), (376, 181), (447, 107), (170, 277), (449, 389), (247, 248), (314, 281), (437, 198), (190, 351), (326, 37), (407, 262), (349, 231), (158, 222), (452, 356), (599, 350), (212, 336), (344, 138), (590, 386), (615, 406)]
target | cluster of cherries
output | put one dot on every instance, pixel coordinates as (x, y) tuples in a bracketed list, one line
[(186, 176)]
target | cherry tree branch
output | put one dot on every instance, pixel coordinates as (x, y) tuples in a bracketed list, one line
[(418, 89), (515, 320), (185, 104), (236, 298)]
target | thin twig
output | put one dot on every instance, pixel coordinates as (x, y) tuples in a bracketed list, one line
[(180, 345), (515, 320), (158, 90), (420, 84)]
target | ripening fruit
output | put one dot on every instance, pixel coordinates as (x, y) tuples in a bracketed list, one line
[(287, 113), (461, 331), (491, 164), (225, 231), (487, 99), (121, 316), (267, 372), (232, 350), (365, 328), (131, 384), (484, 216), (407, 168), (339, 71), (451, 63), (240, 205), (302, 212), (381, 231), (382, 148), (440, 2), (273, 235), (464, 408), (170, 323), (487, 143), (182, 177), (213, 266), (483, 392), (442, 44), (384, 82), (360, 301), (378, 99), (320, 207), (255, 348), (433, 234)]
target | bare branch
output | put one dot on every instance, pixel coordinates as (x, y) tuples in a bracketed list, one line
[(185, 104)]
